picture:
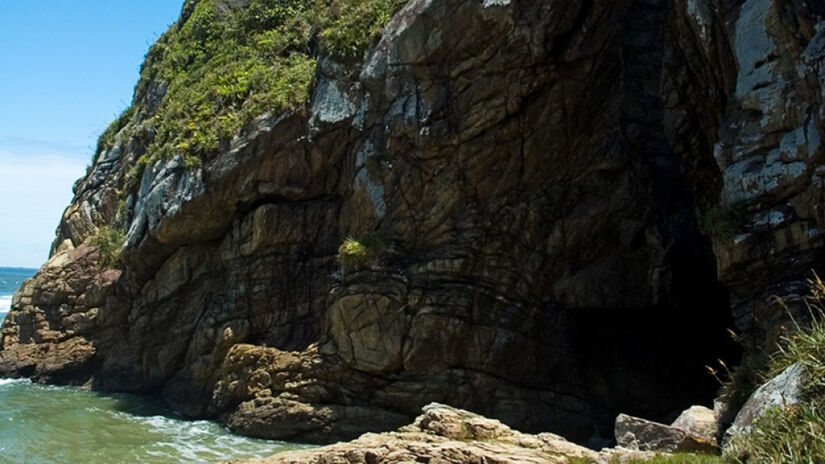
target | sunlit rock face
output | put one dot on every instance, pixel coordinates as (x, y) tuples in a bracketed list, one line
[(533, 182), (770, 154)]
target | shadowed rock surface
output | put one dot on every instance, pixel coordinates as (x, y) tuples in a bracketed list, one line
[(549, 191)]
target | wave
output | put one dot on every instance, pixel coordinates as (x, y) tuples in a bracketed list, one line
[(11, 381), (200, 441), (5, 303)]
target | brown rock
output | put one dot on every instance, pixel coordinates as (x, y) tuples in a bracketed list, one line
[(443, 435), (535, 173)]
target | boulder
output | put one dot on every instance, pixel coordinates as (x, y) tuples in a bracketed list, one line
[(783, 390), (700, 422), (641, 434)]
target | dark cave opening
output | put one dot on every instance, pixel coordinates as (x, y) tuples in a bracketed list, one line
[(651, 362)]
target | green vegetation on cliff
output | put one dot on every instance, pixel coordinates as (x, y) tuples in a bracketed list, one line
[(228, 62), (109, 242), (793, 433), (724, 221)]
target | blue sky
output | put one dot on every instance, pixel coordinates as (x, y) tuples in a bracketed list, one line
[(67, 68)]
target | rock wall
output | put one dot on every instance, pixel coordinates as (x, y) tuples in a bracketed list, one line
[(534, 180), (770, 155)]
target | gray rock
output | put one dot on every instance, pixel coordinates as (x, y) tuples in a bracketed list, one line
[(783, 390), (641, 434)]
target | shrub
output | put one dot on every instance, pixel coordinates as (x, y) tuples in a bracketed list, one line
[(357, 254), (109, 242), (351, 25), (792, 433), (724, 221), (225, 67), (353, 254)]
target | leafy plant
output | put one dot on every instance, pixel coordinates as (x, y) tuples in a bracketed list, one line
[(109, 242)]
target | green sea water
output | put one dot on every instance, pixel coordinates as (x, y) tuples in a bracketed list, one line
[(57, 425)]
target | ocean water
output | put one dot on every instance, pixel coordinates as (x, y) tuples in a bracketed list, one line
[(42, 424), (10, 280)]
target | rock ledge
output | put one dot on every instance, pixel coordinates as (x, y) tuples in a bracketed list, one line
[(442, 434)]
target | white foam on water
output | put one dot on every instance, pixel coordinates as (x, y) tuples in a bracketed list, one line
[(5, 303), (11, 381), (201, 441)]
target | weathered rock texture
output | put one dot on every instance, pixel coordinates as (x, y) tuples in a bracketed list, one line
[(535, 173), (786, 389), (640, 434), (770, 153), (446, 435)]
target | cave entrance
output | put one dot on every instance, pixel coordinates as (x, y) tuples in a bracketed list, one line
[(652, 362)]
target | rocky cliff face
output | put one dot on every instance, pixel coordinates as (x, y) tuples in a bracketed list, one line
[(552, 204)]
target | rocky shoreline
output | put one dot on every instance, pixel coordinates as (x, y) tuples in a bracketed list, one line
[(442, 434), (547, 214)]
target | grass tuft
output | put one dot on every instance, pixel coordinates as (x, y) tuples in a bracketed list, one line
[(357, 254), (792, 433), (353, 254), (678, 458)]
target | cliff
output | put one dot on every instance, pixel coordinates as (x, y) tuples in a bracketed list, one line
[(316, 217)]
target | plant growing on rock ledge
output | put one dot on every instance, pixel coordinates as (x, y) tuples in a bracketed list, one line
[(357, 254), (352, 254), (724, 221), (109, 242)]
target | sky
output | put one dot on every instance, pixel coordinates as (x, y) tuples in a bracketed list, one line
[(67, 68)]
